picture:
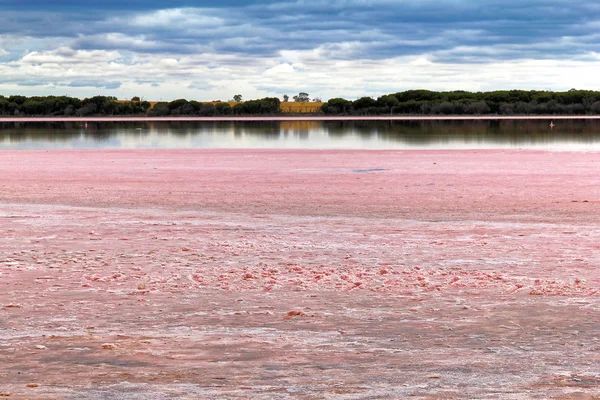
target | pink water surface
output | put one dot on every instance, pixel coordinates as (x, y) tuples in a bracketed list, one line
[(299, 274), (303, 118)]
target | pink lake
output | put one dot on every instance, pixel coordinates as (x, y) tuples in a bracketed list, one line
[(209, 274)]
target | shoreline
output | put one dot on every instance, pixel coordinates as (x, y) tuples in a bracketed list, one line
[(301, 118)]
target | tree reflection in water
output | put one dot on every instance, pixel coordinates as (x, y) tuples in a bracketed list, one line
[(454, 134)]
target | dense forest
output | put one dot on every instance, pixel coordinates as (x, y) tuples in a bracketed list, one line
[(107, 106), (69, 106), (268, 105), (500, 102), (410, 102)]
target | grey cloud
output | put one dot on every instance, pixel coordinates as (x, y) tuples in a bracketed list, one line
[(32, 82), (384, 29), (200, 86), (132, 44), (145, 82), (97, 84)]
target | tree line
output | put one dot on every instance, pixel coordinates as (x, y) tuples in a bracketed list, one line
[(267, 105), (460, 102), (69, 106), (410, 102), (108, 105)]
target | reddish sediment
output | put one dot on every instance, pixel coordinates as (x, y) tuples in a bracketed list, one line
[(309, 274)]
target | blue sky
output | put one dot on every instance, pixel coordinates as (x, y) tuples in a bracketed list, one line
[(349, 48)]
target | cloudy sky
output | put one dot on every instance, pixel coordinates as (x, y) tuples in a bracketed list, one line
[(346, 48)]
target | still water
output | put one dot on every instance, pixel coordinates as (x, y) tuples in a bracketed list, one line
[(509, 134)]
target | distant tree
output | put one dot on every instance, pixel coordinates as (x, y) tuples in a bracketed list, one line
[(189, 108), (286, 97), (445, 108), (268, 105), (302, 97), (193, 107), (112, 108), (337, 106), (595, 108), (160, 109), (223, 108), (552, 107), (145, 105), (3, 105), (237, 98), (178, 107), (135, 98), (587, 102), (95, 105), (365, 105), (17, 99), (207, 109), (389, 101), (317, 100), (12, 108), (88, 109), (477, 108)]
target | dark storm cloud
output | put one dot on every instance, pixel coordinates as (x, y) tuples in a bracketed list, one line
[(449, 30)]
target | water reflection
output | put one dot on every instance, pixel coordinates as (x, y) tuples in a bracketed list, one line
[(566, 134)]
